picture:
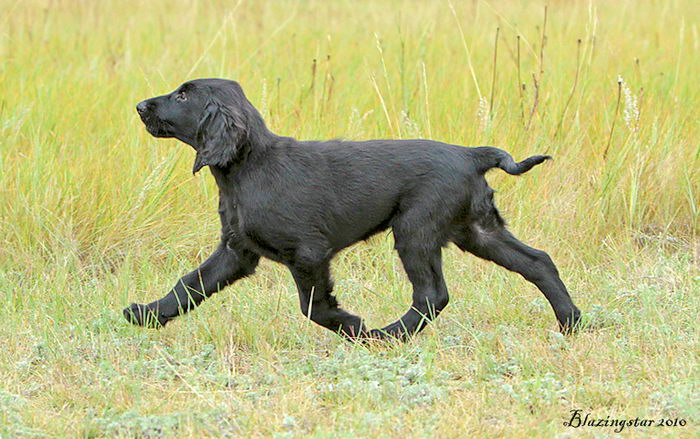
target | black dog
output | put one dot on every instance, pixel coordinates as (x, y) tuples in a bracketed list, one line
[(300, 202)]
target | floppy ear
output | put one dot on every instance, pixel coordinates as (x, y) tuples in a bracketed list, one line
[(220, 134)]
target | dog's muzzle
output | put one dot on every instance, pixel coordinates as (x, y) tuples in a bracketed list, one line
[(141, 107), (153, 125)]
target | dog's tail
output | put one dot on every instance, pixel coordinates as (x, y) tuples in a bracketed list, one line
[(489, 157)]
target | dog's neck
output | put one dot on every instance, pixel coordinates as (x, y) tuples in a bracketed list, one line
[(255, 145), (252, 153)]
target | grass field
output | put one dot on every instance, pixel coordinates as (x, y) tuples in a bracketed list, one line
[(96, 214)]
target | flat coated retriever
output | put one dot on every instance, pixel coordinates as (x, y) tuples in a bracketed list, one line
[(301, 202)]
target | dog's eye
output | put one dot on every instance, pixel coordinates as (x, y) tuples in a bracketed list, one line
[(181, 97)]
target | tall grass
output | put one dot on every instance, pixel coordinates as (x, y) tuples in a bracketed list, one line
[(95, 213)]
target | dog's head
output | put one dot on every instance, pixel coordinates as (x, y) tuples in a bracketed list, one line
[(211, 115)]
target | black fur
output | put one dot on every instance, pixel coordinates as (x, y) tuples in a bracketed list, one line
[(300, 202)]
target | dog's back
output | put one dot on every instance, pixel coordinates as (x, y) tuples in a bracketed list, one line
[(357, 188)]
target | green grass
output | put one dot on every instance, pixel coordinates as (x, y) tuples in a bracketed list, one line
[(96, 214)]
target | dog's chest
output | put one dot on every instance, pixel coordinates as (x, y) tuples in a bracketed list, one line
[(233, 218), (227, 215)]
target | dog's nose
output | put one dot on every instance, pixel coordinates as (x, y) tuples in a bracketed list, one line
[(141, 107)]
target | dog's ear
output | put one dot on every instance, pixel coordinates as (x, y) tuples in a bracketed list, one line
[(220, 135)]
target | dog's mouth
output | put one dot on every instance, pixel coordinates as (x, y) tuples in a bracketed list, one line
[(155, 126)]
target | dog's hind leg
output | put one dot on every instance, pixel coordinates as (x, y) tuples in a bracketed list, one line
[(222, 268), (315, 286), (423, 265), (495, 243)]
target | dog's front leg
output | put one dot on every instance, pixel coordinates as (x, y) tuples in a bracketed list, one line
[(222, 268), (318, 304)]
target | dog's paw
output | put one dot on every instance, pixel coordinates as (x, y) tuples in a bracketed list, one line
[(377, 334), (387, 334), (353, 329), (572, 323), (141, 315)]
